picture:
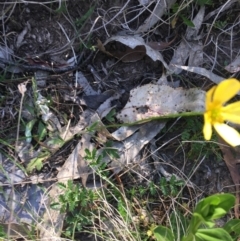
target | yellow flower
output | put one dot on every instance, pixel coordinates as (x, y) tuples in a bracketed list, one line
[(217, 113)]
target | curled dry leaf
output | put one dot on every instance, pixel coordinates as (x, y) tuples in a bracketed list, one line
[(126, 54), (135, 48)]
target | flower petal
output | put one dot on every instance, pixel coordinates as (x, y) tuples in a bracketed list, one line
[(209, 95), (229, 134), (232, 107), (232, 117), (207, 128), (226, 90)]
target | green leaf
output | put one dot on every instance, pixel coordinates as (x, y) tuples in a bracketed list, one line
[(195, 222), (233, 226), (28, 130), (188, 22), (110, 115), (162, 233), (122, 210), (55, 206), (42, 131), (56, 141), (214, 234), (61, 185), (92, 128), (215, 206), (37, 162), (163, 186), (179, 223)]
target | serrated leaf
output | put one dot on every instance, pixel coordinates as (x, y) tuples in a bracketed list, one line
[(36, 163)]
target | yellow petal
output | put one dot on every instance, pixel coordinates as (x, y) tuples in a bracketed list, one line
[(232, 117), (207, 127), (209, 95), (233, 107), (229, 134), (226, 90)]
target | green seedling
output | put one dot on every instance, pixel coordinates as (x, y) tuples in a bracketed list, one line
[(181, 10), (202, 223), (76, 201), (171, 187)]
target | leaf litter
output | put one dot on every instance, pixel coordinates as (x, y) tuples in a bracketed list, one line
[(145, 101)]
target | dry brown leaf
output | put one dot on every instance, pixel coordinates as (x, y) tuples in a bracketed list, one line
[(231, 158), (130, 55), (127, 55), (131, 48)]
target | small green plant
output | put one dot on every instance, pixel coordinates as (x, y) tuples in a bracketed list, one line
[(180, 11), (111, 115), (77, 202), (96, 160), (170, 187), (220, 24), (202, 224), (177, 11)]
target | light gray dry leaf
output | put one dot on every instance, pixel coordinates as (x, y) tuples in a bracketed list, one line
[(158, 100), (234, 66), (160, 9), (204, 72), (21, 36), (189, 48), (133, 42), (192, 32), (83, 82), (123, 132), (130, 148)]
